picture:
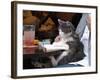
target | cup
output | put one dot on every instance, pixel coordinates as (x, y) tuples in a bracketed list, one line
[(28, 37)]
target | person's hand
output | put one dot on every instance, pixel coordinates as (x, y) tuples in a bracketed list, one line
[(58, 38)]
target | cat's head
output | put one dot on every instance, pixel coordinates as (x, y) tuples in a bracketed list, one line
[(66, 26)]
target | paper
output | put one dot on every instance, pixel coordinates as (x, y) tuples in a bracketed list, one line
[(56, 46)]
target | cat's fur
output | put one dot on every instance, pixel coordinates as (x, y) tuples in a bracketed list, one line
[(74, 53), (70, 38)]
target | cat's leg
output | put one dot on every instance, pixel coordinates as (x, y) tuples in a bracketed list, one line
[(65, 53), (56, 61), (53, 61)]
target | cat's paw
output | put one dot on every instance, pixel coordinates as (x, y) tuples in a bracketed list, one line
[(41, 47)]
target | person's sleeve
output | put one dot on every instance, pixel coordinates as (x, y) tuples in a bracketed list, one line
[(81, 26)]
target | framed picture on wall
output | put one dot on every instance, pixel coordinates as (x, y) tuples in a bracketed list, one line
[(50, 39)]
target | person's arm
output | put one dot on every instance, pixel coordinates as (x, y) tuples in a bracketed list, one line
[(88, 20), (81, 26)]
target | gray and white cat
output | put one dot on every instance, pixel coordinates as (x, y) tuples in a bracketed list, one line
[(75, 50)]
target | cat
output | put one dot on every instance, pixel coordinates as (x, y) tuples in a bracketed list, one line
[(75, 50)]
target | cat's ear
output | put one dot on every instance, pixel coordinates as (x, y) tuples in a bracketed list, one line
[(70, 24), (60, 21)]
